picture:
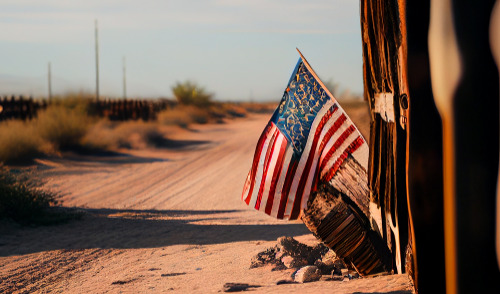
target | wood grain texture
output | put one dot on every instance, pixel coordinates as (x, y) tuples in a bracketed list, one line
[(383, 27)]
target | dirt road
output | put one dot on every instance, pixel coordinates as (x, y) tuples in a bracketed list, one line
[(159, 220)]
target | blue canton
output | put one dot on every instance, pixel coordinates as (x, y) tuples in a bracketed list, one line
[(301, 102)]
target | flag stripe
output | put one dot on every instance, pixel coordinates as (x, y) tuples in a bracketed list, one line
[(352, 147), (276, 174), (286, 186), (273, 165), (257, 167), (289, 155), (313, 178), (269, 155), (300, 190), (338, 125), (336, 146)]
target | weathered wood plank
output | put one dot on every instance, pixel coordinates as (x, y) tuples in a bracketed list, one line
[(339, 223), (383, 27)]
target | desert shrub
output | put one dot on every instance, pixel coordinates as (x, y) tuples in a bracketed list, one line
[(78, 101), (184, 115), (20, 141), (189, 93), (63, 127), (22, 201), (176, 116), (106, 135)]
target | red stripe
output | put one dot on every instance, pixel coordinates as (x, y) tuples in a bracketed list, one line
[(336, 145), (333, 129), (269, 155), (277, 173), (303, 179), (287, 185), (256, 158), (353, 147)]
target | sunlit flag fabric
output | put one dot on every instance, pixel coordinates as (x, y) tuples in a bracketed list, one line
[(308, 139)]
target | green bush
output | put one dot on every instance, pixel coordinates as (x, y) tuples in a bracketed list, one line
[(189, 93)]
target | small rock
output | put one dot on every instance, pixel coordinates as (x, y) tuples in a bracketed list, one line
[(237, 287), (290, 246), (329, 256), (293, 262), (265, 257), (326, 269), (339, 263), (345, 280), (307, 274), (353, 275), (317, 252)]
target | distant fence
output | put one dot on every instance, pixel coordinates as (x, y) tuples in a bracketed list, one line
[(122, 110), (19, 107)]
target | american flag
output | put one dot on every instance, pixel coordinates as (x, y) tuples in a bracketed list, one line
[(307, 139)]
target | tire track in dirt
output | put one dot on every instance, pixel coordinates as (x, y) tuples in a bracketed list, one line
[(40, 271)]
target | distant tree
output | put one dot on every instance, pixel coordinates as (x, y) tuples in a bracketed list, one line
[(189, 93)]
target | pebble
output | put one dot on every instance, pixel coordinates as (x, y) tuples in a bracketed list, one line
[(307, 274)]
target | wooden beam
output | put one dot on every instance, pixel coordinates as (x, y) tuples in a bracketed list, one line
[(383, 28)]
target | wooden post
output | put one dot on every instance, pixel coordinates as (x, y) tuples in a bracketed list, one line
[(383, 27), (96, 63), (425, 169), (50, 82)]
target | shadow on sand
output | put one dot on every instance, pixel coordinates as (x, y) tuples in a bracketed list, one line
[(109, 228)]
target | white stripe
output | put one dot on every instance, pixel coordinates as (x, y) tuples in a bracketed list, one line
[(361, 155), (260, 168), (281, 181), (338, 152), (314, 165), (303, 158), (270, 171), (335, 135)]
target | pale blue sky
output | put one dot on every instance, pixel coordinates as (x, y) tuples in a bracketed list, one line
[(237, 49)]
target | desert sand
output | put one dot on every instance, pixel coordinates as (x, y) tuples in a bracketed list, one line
[(160, 220)]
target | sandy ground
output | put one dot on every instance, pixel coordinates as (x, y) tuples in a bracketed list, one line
[(160, 220)]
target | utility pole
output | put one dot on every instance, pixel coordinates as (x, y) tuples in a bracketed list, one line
[(50, 82), (124, 79), (96, 63)]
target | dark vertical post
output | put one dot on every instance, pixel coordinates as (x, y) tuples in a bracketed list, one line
[(50, 82), (124, 79), (96, 63), (425, 172), (476, 121)]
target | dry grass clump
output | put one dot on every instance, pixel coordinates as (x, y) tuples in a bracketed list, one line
[(63, 127), (184, 115), (108, 135), (19, 140), (21, 200)]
